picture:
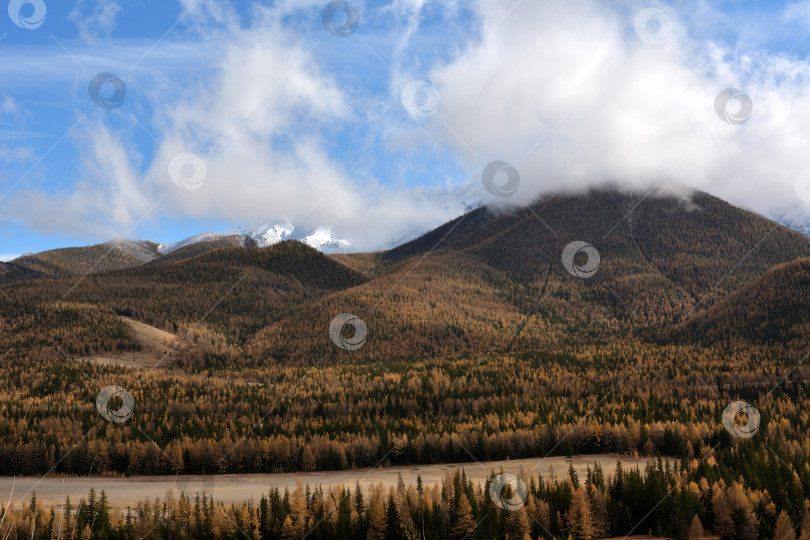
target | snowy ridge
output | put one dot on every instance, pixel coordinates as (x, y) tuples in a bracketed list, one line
[(197, 238), (797, 220), (267, 234), (454, 201), (273, 232), (144, 250)]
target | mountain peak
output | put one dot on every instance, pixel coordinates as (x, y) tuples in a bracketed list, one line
[(272, 232), (267, 234)]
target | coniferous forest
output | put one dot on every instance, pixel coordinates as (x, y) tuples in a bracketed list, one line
[(479, 345), (676, 500)]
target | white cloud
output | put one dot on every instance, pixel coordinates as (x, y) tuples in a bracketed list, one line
[(16, 154), (106, 203), (95, 22), (564, 90), (567, 93), (8, 105), (797, 12), (259, 125)]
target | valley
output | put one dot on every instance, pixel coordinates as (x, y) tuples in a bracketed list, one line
[(237, 488), (405, 270), (477, 343)]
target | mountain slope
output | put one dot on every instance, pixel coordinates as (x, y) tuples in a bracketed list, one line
[(774, 310), (74, 262), (492, 279), (487, 281), (234, 292), (196, 248), (119, 254)]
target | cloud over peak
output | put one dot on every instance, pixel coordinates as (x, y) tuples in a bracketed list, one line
[(274, 118)]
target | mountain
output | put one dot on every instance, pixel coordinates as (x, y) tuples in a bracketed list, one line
[(478, 340), (119, 254), (269, 233), (249, 289), (455, 290), (191, 240), (265, 234), (461, 288), (321, 238), (201, 244), (78, 261)]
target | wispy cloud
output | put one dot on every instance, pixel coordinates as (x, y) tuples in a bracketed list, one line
[(293, 123), (95, 18)]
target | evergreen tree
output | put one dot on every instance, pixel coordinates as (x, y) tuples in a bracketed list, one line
[(805, 532), (572, 473), (784, 528), (695, 529), (393, 523), (580, 518), (465, 522)]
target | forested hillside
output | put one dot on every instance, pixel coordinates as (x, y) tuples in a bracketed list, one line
[(480, 342), (771, 311), (74, 262)]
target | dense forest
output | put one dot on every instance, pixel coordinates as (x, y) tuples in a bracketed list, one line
[(480, 345)]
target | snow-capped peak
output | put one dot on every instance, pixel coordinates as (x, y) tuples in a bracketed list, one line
[(272, 232), (197, 238), (269, 233), (323, 240)]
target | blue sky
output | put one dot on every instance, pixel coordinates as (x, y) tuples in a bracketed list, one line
[(295, 123)]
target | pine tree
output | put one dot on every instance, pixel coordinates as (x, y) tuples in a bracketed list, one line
[(465, 522), (580, 518), (359, 504), (128, 527), (91, 506), (376, 516), (298, 512), (723, 521), (784, 528), (543, 515), (393, 523), (263, 515), (288, 530), (805, 534), (600, 512), (103, 519), (400, 484), (572, 473), (695, 529), (517, 524), (745, 521), (343, 525)]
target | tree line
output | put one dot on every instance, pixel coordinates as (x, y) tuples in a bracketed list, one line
[(665, 499)]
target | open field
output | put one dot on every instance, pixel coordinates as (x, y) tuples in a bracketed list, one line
[(154, 344), (241, 487)]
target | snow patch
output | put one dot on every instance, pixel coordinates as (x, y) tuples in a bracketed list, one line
[(273, 232), (797, 220), (197, 238)]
